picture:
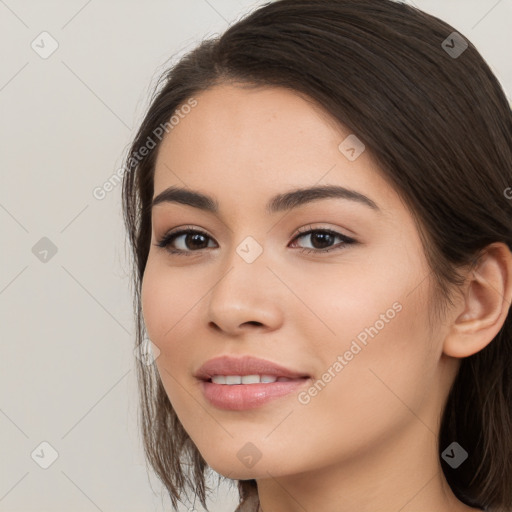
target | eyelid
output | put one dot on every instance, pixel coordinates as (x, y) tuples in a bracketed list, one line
[(187, 227), (180, 231), (177, 232), (301, 231), (311, 227)]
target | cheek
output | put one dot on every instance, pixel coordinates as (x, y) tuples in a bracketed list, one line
[(386, 363), (169, 306), (152, 303), (350, 302), (378, 327), (165, 301)]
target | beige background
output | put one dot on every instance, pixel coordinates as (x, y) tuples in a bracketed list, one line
[(66, 363)]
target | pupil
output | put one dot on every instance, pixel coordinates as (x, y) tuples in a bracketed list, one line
[(194, 237), (326, 239)]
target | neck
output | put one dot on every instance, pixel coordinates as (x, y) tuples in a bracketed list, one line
[(403, 475)]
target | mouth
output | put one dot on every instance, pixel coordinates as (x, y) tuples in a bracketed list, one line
[(237, 384), (245, 370), (235, 380)]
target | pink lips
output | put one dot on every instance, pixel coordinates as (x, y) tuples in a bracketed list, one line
[(247, 365), (246, 396)]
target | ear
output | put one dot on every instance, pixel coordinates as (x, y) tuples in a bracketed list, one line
[(487, 298)]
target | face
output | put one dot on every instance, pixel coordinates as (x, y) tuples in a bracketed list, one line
[(345, 304)]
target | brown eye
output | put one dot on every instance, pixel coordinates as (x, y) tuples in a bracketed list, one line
[(192, 240), (322, 240)]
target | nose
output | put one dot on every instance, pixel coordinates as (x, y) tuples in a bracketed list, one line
[(248, 296)]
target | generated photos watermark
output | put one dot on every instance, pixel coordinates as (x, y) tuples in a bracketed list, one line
[(100, 192), (304, 397)]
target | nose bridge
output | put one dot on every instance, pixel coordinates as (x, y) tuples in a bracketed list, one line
[(245, 269), (244, 292)]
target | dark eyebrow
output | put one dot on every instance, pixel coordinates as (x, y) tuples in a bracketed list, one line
[(279, 203)]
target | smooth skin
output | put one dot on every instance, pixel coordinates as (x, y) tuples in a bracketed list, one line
[(367, 442)]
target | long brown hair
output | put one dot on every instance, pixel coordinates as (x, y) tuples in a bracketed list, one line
[(440, 127)]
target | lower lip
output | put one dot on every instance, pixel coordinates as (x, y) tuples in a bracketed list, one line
[(238, 397)]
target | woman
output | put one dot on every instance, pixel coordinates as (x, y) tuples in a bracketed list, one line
[(321, 233)]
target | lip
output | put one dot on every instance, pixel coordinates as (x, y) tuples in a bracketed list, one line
[(247, 365), (238, 397)]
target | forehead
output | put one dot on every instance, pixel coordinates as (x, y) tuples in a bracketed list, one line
[(261, 140), (257, 118)]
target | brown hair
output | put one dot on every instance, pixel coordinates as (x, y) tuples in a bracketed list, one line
[(440, 127)]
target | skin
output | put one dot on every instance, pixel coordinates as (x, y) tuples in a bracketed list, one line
[(368, 440)]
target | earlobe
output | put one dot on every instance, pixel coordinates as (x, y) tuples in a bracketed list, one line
[(486, 304)]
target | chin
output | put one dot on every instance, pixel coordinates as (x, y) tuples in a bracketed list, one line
[(235, 469)]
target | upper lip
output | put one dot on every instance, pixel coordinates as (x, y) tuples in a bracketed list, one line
[(247, 365)]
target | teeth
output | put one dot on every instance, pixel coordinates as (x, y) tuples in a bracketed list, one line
[(250, 379), (246, 379)]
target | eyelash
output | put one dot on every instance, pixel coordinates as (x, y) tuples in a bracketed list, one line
[(169, 237)]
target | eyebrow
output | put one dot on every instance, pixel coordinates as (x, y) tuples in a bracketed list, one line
[(280, 202)]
